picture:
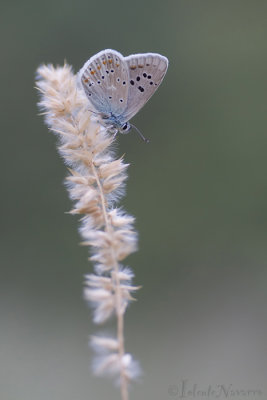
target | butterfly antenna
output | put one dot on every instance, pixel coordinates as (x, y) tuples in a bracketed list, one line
[(140, 134)]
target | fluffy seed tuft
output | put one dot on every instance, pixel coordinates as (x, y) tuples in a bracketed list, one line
[(95, 183)]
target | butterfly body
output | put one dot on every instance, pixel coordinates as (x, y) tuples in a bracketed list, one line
[(118, 86)]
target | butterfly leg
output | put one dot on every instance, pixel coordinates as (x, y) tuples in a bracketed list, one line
[(115, 134)]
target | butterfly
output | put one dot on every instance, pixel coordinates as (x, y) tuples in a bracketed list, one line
[(118, 86)]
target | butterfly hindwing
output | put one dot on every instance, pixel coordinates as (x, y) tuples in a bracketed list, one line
[(146, 72), (105, 78)]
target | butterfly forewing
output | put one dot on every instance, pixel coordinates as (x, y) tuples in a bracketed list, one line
[(105, 78), (146, 72)]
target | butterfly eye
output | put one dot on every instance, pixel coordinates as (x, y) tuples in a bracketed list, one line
[(125, 127)]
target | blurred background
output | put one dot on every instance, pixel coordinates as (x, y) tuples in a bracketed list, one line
[(198, 191)]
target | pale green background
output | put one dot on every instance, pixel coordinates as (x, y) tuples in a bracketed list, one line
[(198, 191)]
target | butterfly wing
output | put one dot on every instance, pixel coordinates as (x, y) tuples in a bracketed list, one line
[(146, 72), (104, 78)]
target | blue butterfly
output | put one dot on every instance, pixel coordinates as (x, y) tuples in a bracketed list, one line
[(118, 86)]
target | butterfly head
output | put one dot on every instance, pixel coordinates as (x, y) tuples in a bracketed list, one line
[(115, 123)]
